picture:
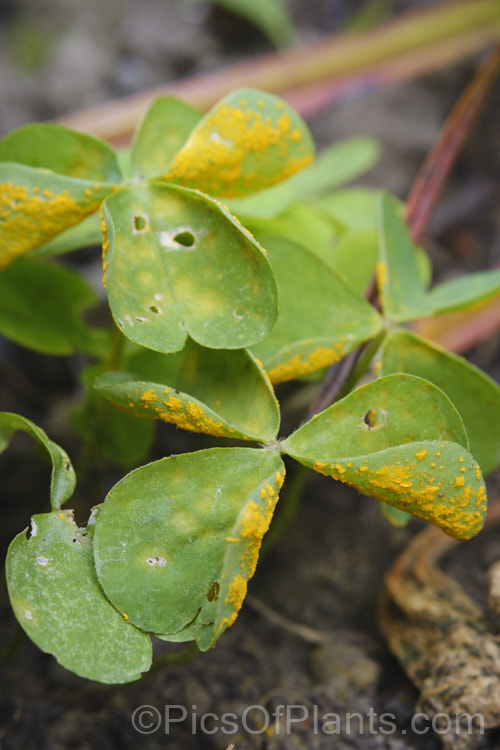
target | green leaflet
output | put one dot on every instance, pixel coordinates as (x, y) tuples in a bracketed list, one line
[(57, 600), (248, 141), (36, 205), (302, 224), (321, 318), (400, 440), (61, 150), (385, 413), (403, 295), (63, 478), (476, 396), (113, 434), (208, 393), (162, 132), (171, 530), (185, 635), (464, 292), (220, 607), (355, 257), (356, 254), (336, 165), (352, 209), (166, 246), (41, 305), (123, 154)]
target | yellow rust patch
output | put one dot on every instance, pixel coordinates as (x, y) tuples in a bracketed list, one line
[(252, 526), (28, 219), (149, 398), (265, 373), (254, 523), (394, 478), (303, 364), (221, 152), (105, 248), (418, 492), (381, 274), (188, 415), (338, 469), (456, 504), (236, 592)]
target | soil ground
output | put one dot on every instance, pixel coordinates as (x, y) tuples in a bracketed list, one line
[(327, 571)]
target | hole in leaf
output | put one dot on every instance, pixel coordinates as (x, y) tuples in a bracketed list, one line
[(239, 313), (375, 418), (141, 223), (213, 592), (154, 309), (186, 239)]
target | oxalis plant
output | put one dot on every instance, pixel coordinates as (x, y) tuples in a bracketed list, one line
[(208, 317)]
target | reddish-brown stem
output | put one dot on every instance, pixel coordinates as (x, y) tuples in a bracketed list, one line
[(333, 383), (430, 181)]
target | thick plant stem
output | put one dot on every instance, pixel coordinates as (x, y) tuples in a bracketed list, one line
[(432, 176), (415, 42)]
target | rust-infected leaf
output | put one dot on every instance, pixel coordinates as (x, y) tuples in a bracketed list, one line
[(248, 141)]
